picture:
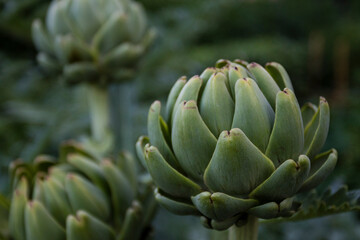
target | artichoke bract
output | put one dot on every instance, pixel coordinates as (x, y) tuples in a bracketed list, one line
[(98, 41), (234, 143), (82, 197)]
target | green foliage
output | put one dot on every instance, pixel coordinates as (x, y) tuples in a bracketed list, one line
[(36, 113), (315, 204)]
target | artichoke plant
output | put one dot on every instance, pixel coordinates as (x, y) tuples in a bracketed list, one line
[(234, 145), (97, 41), (81, 197)]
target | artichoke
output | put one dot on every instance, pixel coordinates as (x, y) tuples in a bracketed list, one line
[(98, 41), (81, 197), (234, 144)]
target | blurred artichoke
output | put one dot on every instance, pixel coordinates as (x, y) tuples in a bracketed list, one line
[(233, 145), (97, 41), (81, 197), (4, 217)]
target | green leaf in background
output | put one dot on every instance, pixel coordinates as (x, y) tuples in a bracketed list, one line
[(318, 204)]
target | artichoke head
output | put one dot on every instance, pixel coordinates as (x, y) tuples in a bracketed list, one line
[(90, 40), (79, 197), (234, 142)]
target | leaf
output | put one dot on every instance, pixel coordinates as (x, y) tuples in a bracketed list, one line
[(315, 204)]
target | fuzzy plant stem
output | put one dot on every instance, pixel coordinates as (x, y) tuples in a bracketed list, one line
[(98, 100), (249, 231)]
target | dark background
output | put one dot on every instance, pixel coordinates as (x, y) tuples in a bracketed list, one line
[(316, 41)]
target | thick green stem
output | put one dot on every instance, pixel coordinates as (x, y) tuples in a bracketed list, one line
[(122, 115), (247, 232), (98, 100)]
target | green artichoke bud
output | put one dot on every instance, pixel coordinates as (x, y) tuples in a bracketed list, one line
[(234, 143), (91, 40), (79, 197)]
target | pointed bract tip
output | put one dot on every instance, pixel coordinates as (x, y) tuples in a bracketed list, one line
[(253, 64), (70, 176), (286, 91), (221, 63), (271, 64), (230, 133), (156, 104), (323, 100), (148, 148), (106, 162), (182, 79), (189, 104)]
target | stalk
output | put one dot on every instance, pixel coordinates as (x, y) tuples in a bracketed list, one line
[(98, 100), (247, 232), (121, 113)]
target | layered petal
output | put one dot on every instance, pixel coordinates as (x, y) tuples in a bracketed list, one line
[(83, 195), (140, 149), (317, 129), (237, 166), (36, 217), (17, 210), (166, 177), (235, 73), (284, 182), (193, 143), (189, 92), (173, 95), (220, 206), (322, 165), (159, 134), (216, 104), (56, 200), (308, 111), (253, 113), (120, 190), (266, 83), (175, 206), (83, 226), (206, 74), (287, 137), (279, 74)]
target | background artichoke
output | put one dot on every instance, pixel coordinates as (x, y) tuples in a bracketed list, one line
[(93, 41), (234, 143), (80, 198)]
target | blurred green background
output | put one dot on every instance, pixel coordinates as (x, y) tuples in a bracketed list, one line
[(316, 41)]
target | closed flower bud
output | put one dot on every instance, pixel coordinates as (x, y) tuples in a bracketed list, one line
[(234, 142), (79, 197), (92, 41)]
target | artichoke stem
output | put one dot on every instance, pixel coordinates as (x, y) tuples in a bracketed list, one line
[(249, 231), (121, 114), (98, 100)]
